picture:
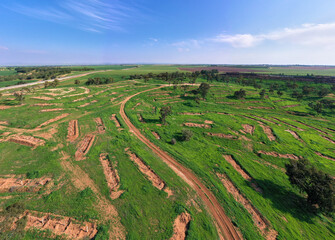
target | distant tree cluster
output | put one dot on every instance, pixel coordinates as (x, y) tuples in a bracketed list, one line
[(240, 94), (99, 81)]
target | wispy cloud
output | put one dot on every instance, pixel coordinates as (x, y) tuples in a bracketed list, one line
[(88, 15), (306, 35), (3, 48), (187, 45)]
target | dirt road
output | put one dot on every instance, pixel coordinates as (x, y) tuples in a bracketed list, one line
[(225, 226)]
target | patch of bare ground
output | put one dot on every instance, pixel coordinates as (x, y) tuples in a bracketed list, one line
[(52, 110), (72, 130), (209, 122), (294, 134), (268, 131), (324, 156), (43, 98), (59, 225), (100, 125), (45, 104), (47, 134), (18, 184), (300, 129), (84, 146), (58, 146), (289, 106), (260, 107), (81, 180), (151, 175), (221, 135), (4, 123), (156, 135), (114, 118), (112, 177), (140, 118), (317, 129), (259, 220), (180, 226), (275, 154), (79, 99), (137, 104), (245, 175), (329, 139), (64, 115), (248, 128), (26, 140), (189, 113), (199, 125)]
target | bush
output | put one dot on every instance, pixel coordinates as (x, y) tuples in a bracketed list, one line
[(33, 174), (186, 134), (173, 141)]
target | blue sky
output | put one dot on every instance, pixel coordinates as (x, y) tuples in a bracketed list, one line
[(156, 31)]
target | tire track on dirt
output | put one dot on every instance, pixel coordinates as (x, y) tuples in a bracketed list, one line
[(225, 225)]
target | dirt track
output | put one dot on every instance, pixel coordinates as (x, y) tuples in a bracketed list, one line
[(225, 226)]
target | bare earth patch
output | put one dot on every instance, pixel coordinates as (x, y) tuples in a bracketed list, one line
[(268, 131), (26, 140), (112, 177), (72, 131), (252, 107), (45, 104), (64, 115), (275, 154), (137, 104), (329, 139), (294, 134), (4, 123), (43, 98), (52, 110), (197, 125), (191, 114), (248, 128), (156, 135), (245, 175), (14, 184), (100, 125), (289, 106), (259, 220), (180, 226), (151, 175), (114, 118), (84, 146), (4, 107), (324, 156), (222, 135), (140, 118)]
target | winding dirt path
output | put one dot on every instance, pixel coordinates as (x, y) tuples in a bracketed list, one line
[(225, 226)]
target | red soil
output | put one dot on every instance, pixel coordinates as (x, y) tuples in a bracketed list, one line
[(54, 119), (114, 118), (324, 156), (246, 176), (222, 135), (45, 104), (84, 146), (329, 139), (180, 226), (275, 154), (112, 177), (52, 110), (4, 107), (197, 125), (4, 123), (26, 140), (156, 135), (100, 125), (14, 184), (294, 134), (268, 131), (137, 104), (73, 130), (248, 128), (43, 98), (146, 170), (289, 106), (221, 69), (259, 220)]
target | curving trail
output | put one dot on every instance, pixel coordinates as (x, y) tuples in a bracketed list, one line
[(224, 225)]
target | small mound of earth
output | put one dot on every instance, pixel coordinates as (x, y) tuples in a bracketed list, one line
[(4, 123), (140, 118), (14, 184), (26, 140), (43, 98), (54, 119), (84, 146), (100, 125), (268, 131), (189, 113), (222, 135), (289, 106), (137, 104), (52, 110), (324, 156), (275, 154), (45, 104), (197, 125), (114, 118), (294, 134), (251, 107), (4, 107), (156, 135), (180, 226), (73, 130), (327, 138), (248, 128)]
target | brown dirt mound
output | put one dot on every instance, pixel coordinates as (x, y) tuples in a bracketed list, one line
[(151, 175), (222, 135), (156, 135), (73, 130), (275, 154), (259, 220), (112, 177), (197, 125), (26, 140), (245, 175), (252, 107), (300, 129), (248, 128), (268, 131), (45, 104), (84, 146), (324, 156), (54, 119), (114, 118), (140, 118), (180, 226), (189, 113), (60, 225), (100, 125), (14, 184), (137, 104), (329, 139), (4, 107), (294, 134), (209, 122), (43, 98), (289, 106), (84, 105), (221, 69), (4, 123), (52, 110)]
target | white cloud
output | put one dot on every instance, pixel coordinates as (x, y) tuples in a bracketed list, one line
[(3, 48), (307, 35)]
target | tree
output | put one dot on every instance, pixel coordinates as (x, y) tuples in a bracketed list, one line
[(77, 81), (319, 186), (280, 93), (203, 89), (165, 111), (19, 96), (186, 134), (323, 92), (316, 107), (262, 93), (240, 94)]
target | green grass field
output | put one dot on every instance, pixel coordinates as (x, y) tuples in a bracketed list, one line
[(78, 189)]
